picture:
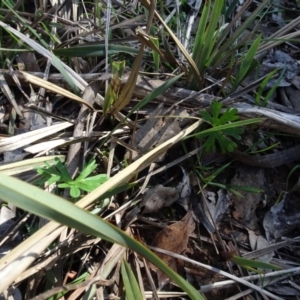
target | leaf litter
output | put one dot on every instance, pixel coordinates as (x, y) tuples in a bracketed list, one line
[(230, 209), (173, 238)]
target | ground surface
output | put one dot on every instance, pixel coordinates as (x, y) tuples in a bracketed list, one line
[(227, 199)]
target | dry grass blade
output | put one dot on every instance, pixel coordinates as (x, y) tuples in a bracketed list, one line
[(235, 278), (143, 37), (271, 275), (8, 262), (54, 88), (127, 91), (15, 142), (195, 70), (280, 36), (28, 164), (9, 95)]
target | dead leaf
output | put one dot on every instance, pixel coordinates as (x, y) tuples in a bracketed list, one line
[(279, 59), (159, 197), (282, 217), (258, 242), (173, 238), (210, 209), (246, 203)]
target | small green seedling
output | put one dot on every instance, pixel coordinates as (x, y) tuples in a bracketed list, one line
[(220, 136), (112, 92), (59, 174)]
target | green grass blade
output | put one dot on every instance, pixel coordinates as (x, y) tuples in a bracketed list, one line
[(211, 35), (225, 126), (205, 38), (47, 205), (274, 87), (231, 9), (130, 283), (254, 264), (94, 50), (263, 85), (58, 65), (199, 40), (155, 54), (25, 24), (245, 66), (223, 50)]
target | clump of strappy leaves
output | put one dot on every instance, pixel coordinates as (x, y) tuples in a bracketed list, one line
[(220, 134), (59, 175)]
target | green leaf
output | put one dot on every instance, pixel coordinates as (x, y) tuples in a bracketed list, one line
[(63, 170), (47, 205), (58, 65), (62, 177), (155, 54), (91, 183), (248, 63), (74, 191), (87, 170), (131, 285), (94, 50), (219, 136), (206, 116), (254, 265)]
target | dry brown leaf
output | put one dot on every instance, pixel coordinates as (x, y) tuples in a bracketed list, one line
[(246, 203), (159, 197), (173, 238)]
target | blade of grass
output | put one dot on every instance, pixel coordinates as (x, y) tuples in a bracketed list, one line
[(50, 206), (38, 242), (223, 51), (54, 88), (28, 164), (94, 50), (130, 283), (57, 64), (254, 264), (247, 62), (226, 126), (127, 91), (191, 62)]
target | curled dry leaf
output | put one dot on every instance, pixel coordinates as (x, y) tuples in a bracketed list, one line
[(282, 217), (173, 238), (211, 209), (278, 60), (258, 242), (159, 197), (185, 190), (162, 196), (246, 203)]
